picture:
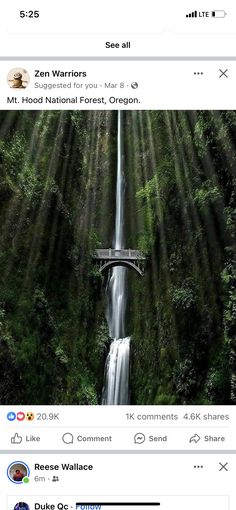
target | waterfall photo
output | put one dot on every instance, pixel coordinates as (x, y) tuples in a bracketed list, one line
[(117, 257)]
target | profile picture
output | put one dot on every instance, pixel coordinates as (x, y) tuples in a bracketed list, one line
[(21, 506), (17, 471), (18, 78)]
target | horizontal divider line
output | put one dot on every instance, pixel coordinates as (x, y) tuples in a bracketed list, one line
[(120, 504)]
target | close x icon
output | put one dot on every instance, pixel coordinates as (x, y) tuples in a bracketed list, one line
[(223, 467), (223, 74)]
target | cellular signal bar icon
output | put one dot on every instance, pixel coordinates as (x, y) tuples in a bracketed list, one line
[(192, 14)]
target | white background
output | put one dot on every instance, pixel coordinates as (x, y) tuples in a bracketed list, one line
[(161, 85), (153, 28), (136, 477)]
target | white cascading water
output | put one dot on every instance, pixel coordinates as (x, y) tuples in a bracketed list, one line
[(116, 386)]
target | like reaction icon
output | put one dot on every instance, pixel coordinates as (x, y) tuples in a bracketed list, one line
[(11, 416)]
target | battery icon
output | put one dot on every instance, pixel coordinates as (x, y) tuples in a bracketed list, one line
[(218, 14)]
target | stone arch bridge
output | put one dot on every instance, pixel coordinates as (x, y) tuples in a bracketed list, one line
[(132, 259)]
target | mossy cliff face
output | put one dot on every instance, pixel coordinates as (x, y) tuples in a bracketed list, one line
[(57, 201), (56, 182), (182, 312)]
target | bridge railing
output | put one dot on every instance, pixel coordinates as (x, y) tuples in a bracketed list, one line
[(112, 253)]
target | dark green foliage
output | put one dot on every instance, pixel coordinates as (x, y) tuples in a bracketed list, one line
[(52, 317), (184, 339)]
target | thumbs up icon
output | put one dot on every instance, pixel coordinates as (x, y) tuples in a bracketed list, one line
[(16, 439)]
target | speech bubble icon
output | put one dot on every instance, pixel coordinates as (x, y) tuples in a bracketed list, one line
[(68, 438), (139, 438)]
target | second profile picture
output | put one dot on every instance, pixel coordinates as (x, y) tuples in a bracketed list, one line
[(21, 506), (18, 78), (18, 472)]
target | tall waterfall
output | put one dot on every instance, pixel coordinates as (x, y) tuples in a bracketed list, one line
[(116, 386)]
